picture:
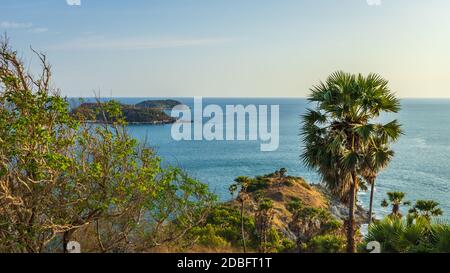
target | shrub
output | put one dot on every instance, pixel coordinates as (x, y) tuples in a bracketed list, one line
[(224, 225), (327, 244), (258, 184)]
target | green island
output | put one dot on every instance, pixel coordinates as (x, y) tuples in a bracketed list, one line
[(159, 104), (146, 112), (62, 180)]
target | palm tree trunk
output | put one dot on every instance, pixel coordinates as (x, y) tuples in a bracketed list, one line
[(242, 227), (351, 246), (372, 189), (395, 209)]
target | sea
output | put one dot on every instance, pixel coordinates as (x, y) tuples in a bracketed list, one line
[(420, 168)]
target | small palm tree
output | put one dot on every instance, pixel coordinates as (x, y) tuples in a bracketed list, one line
[(263, 222), (377, 157), (241, 182), (395, 200), (426, 209), (283, 172)]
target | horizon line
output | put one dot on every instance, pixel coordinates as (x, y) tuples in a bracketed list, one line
[(237, 97)]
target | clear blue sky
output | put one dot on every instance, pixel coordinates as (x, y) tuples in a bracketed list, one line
[(148, 48)]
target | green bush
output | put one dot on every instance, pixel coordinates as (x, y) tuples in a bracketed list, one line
[(207, 236), (327, 244), (223, 228), (258, 184)]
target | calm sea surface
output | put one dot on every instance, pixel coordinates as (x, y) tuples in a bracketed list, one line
[(421, 166)]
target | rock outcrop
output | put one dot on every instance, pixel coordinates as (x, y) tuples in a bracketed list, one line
[(284, 190)]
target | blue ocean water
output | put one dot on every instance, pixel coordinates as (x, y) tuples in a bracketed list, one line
[(421, 166)]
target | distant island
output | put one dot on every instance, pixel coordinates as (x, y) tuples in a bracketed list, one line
[(158, 104), (146, 112)]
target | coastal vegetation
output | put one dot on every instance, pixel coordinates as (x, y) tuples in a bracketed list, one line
[(280, 214), (417, 232)]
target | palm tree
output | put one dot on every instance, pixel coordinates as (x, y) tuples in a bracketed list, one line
[(243, 182), (377, 157), (395, 200), (263, 222), (337, 132), (426, 209), (283, 172)]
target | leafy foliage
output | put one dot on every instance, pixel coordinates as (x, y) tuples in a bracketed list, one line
[(426, 209), (223, 228), (316, 229), (327, 244), (60, 175), (396, 235)]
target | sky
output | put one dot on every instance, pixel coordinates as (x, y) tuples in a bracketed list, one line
[(227, 48)]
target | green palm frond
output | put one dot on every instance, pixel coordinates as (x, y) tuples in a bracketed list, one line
[(396, 197), (390, 131), (441, 237), (312, 117), (381, 158), (426, 209), (398, 236), (365, 131), (387, 232), (350, 160)]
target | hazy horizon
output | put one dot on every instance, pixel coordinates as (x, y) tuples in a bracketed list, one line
[(250, 48), (231, 97)]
